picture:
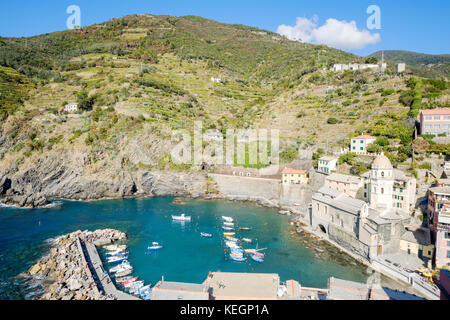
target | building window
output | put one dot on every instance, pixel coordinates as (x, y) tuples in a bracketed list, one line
[(437, 118), (382, 173), (428, 118), (448, 254), (437, 126), (382, 190)]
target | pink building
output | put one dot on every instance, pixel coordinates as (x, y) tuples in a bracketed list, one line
[(443, 238), (435, 121), (445, 284)]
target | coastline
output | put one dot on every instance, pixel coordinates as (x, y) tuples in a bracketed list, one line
[(297, 220)]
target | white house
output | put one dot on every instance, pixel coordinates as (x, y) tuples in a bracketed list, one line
[(72, 107), (400, 67), (360, 144), (327, 165), (217, 80)]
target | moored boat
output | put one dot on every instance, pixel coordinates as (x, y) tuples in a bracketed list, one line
[(124, 266), (123, 279), (227, 219), (130, 280), (237, 258), (115, 247), (116, 253), (155, 246), (258, 258), (183, 217), (206, 235), (246, 229), (230, 234), (228, 224), (124, 273), (247, 240), (231, 239), (117, 259), (228, 228)]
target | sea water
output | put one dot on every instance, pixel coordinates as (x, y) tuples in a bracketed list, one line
[(25, 236)]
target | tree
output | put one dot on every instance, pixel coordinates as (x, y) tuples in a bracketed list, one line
[(372, 60), (85, 102)]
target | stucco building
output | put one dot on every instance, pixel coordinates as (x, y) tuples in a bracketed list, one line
[(327, 164), (350, 185), (359, 144), (293, 176), (435, 121), (443, 238)]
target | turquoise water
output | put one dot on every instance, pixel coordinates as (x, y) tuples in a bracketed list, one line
[(186, 255)]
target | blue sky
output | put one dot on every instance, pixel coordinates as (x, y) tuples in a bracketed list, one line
[(421, 26)]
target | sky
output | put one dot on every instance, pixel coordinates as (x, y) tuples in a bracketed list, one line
[(420, 26)]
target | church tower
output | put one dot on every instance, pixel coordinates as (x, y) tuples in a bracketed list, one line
[(381, 184)]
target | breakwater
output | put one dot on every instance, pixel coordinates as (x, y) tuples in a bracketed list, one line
[(70, 270)]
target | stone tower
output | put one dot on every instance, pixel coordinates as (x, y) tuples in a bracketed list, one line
[(381, 184)]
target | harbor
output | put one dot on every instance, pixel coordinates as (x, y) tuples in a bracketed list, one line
[(150, 220)]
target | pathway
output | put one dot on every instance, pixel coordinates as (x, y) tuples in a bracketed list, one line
[(107, 285)]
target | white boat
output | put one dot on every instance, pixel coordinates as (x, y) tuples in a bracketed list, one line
[(115, 253), (228, 228), (247, 240), (183, 217), (115, 247), (227, 219), (124, 266), (228, 224), (231, 244), (155, 246), (117, 259), (124, 273), (232, 239)]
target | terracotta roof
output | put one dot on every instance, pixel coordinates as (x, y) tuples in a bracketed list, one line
[(436, 111), (364, 137), (293, 171)]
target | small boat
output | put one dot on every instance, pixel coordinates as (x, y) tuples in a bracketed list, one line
[(115, 247), (230, 234), (228, 228), (206, 235), (144, 290), (237, 251), (123, 279), (247, 240), (232, 239), (231, 244), (246, 229), (155, 246), (183, 217), (124, 266), (257, 258), (115, 253), (228, 224), (117, 259), (237, 258), (124, 273), (227, 219), (148, 296), (132, 286), (130, 280)]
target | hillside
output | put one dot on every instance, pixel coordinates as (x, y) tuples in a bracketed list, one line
[(424, 65), (138, 78)]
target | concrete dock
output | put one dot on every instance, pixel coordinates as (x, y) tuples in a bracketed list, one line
[(101, 277)]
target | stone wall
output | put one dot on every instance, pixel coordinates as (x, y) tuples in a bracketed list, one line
[(349, 242), (269, 191)]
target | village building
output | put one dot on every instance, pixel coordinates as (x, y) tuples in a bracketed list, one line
[(359, 144), (400, 68), (386, 187), (349, 185), (443, 238), (72, 107), (438, 198), (417, 241), (293, 176), (327, 165), (444, 284), (435, 121), (377, 223)]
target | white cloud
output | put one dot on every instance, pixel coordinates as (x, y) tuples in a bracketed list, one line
[(334, 33)]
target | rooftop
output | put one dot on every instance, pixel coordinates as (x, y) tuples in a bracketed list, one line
[(364, 137), (243, 286), (441, 190), (436, 111), (344, 178), (165, 290), (328, 158), (339, 200), (293, 171), (420, 236), (382, 162)]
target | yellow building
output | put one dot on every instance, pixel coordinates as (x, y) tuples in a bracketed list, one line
[(292, 176), (417, 242)]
